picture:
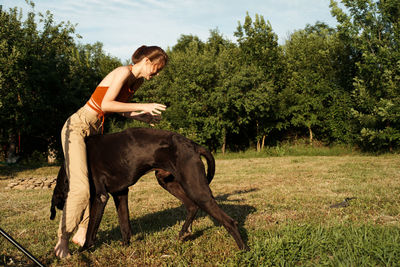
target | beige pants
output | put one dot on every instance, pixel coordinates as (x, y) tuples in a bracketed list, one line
[(76, 209)]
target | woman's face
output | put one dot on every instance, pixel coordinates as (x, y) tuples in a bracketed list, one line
[(151, 70)]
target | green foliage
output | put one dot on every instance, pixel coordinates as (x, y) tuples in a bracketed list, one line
[(219, 93), (372, 29), (44, 77), (314, 98), (262, 58)]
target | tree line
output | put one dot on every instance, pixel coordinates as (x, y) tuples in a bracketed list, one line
[(334, 85)]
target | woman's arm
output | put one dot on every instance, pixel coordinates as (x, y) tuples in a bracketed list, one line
[(109, 103)]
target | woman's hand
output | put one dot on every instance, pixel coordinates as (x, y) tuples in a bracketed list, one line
[(154, 108), (151, 113), (147, 118)]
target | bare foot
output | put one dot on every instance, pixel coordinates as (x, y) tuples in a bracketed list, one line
[(80, 236), (61, 249)]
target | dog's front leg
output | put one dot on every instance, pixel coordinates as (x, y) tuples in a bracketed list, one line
[(96, 213), (121, 203)]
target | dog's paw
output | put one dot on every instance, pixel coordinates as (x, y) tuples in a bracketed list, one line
[(85, 248), (82, 249), (246, 248), (184, 236), (126, 243)]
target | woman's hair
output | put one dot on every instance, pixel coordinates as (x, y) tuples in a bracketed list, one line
[(154, 53)]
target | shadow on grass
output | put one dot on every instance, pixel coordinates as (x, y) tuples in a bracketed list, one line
[(158, 221), (9, 171)]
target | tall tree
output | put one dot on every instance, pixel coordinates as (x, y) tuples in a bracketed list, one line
[(261, 59), (372, 29), (45, 76), (315, 97)]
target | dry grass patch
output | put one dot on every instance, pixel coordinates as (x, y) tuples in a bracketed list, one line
[(281, 203), (303, 188)]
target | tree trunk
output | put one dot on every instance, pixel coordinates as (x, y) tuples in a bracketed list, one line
[(263, 142), (311, 135), (224, 144), (260, 144), (11, 151), (3, 148)]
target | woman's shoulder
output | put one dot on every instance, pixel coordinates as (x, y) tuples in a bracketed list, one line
[(119, 73), (122, 72), (122, 69)]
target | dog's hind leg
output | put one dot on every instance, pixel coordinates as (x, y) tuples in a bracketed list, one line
[(230, 225), (195, 185), (121, 203), (97, 206), (166, 180)]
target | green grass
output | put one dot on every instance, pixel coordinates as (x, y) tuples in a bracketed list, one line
[(286, 149), (338, 245), (282, 205)]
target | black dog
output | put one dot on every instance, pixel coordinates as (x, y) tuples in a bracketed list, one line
[(117, 161)]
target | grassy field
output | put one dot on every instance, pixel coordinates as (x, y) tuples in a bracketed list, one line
[(282, 205)]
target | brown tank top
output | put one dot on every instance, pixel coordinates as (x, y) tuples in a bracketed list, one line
[(124, 95)]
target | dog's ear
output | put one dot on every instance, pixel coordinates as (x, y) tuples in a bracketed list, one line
[(59, 193), (60, 203), (52, 213)]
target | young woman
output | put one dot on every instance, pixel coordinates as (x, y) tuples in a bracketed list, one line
[(111, 95)]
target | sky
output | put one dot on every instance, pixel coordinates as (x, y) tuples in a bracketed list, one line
[(124, 25)]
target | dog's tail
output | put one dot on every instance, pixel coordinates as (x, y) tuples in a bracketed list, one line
[(60, 192), (210, 162)]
